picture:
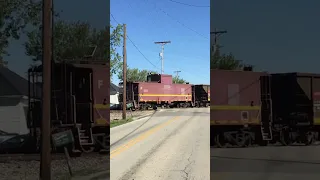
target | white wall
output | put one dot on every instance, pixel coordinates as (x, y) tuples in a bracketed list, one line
[(114, 99), (13, 119)]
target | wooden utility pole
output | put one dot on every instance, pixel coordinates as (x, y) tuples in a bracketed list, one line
[(216, 35), (45, 169), (124, 92)]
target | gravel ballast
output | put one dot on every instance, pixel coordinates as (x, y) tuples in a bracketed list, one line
[(29, 170)]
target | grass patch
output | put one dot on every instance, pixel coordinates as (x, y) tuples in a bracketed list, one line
[(115, 123)]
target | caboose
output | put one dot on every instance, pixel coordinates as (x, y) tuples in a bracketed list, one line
[(79, 102), (235, 108), (257, 107), (159, 90)]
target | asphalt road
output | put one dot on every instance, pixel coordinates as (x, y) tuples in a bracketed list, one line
[(266, 163), (172, 144)]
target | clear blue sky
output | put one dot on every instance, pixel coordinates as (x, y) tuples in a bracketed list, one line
[(276, 36), (147, 23), (96, 13)]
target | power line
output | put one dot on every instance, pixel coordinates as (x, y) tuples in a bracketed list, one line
[(179, 22), (191, 5), (135, 45), (140, 50)]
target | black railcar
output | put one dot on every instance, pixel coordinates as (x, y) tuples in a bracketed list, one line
[(201, 95)]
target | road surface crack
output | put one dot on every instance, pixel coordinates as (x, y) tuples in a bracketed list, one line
[(185, 170)]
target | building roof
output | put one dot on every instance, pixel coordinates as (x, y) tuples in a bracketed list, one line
[(19, 84), (114, 89)]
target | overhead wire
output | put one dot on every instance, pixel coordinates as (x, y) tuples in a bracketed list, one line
[(161, 10), (135, 45), (177, 21), (140, 50), (186, 4)]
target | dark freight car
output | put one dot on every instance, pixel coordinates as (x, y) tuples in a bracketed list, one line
[(201, 95), (294, 99)]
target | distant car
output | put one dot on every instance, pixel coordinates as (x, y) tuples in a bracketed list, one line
[(114, 106), (17, 144), (4, 135)]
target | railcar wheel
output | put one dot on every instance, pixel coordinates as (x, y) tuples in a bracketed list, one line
[(309, 138), (241, 139), (285, 138), (220, 140)]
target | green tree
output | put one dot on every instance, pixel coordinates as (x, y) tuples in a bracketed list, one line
[(15, 15), (178, 80), (115, 42), (224, 61), (72, 40), (134, 74)]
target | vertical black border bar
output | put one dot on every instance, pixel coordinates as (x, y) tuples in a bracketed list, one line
[(211, 54), (108, 79)]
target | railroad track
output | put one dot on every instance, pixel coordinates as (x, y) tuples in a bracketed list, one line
[(36, 157), (26, 157), (120, 111), (148, 110)]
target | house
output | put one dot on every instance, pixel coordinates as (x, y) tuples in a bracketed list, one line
[(13, 102), (114, 94)]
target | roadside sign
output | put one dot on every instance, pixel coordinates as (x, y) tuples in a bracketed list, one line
[(62, 138)]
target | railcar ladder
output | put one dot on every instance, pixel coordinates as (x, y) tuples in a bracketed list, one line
[(266, 108), (85, 136)]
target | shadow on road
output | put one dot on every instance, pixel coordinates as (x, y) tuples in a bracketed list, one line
[(118, 141)]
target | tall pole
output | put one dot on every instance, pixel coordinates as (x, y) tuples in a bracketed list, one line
[(216, 34), (162, 43), (177, 74), (124, 92), (45, 173)]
